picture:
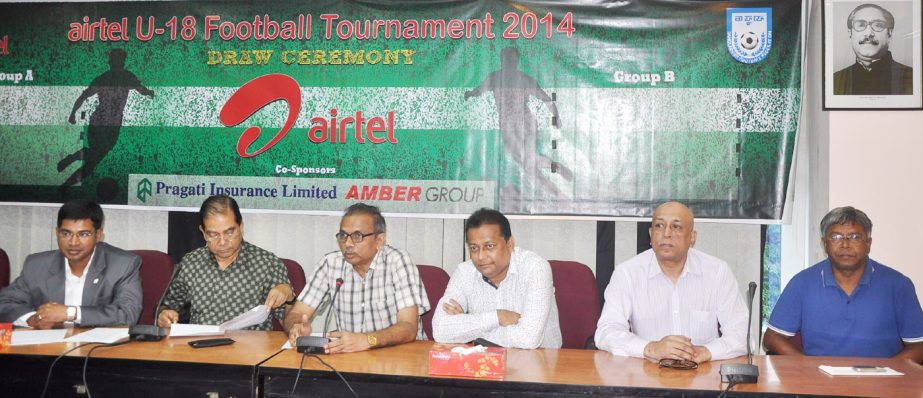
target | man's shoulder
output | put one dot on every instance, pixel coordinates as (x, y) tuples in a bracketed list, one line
[(116, 256), (885, 272), (708, 261), (530, 258), (196, 255), (390, 254), (641, 260), (258, 252), (40, 262)]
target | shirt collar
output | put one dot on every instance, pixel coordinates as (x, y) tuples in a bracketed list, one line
[(829, 280), (70, 275), (692, 265)]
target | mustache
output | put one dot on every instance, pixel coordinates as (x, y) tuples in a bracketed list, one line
[(869, 39)]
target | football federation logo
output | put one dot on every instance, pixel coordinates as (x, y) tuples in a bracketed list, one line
[(749, 33)]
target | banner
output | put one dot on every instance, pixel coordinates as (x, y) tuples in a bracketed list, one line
[(417, 107)]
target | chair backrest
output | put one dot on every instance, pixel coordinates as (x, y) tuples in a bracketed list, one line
[(4, 269), (297, 278), (156, 270), (577, 297), (435, 280)]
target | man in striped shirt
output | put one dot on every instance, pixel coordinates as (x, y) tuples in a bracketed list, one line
[(377, 293)]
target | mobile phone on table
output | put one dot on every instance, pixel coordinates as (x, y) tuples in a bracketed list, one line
[(210, 342), (868, 368)]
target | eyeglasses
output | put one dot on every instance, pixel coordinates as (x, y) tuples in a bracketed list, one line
[(878, 25), (680, 364), (840, 238), (227, 235), (356, 236), (68, 235)]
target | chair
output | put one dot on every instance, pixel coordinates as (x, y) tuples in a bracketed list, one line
[(156, 270), (577, 298), (4, 269), (297, 278), (435, 280)]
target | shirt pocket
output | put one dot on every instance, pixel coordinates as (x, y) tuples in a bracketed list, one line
[(703, 326)]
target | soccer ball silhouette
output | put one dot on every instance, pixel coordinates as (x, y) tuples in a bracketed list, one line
[(749, 40)]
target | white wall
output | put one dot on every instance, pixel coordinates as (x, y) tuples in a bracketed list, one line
[(875, 166)]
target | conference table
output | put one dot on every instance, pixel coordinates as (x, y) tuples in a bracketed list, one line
[(255, 366)]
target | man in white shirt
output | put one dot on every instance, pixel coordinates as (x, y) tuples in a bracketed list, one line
[(504, 294), (672, 301), (85, 282)]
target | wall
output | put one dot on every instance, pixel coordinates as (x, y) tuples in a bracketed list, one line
[(875, 166)]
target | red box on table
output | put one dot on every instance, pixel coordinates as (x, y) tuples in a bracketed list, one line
[(488, 365), (6, 334)]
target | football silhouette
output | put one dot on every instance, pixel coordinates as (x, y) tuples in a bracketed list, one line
[(749, 40)]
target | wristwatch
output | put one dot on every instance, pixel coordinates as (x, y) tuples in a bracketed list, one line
[(373, 341), (71, 313)]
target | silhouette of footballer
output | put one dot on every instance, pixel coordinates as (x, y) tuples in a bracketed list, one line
[(512, 89), (112, 89)]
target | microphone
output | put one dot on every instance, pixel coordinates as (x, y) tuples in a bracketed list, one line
[(314, 344), (153, 332), (738, 373)]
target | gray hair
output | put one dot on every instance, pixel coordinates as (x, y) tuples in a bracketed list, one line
[(846, 215), (362, 208)]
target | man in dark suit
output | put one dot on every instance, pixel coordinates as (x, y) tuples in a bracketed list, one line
[(85, 282), (875, 71)]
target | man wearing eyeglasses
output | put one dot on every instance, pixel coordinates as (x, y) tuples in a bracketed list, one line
[(85, 282), (504, 294), (673, 302), (848, 304), (875, 72), (227, 277), (379, 296)]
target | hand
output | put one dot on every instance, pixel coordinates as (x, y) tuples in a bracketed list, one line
[(35, 323), (347, 342), (299, 329), (167, 318), (507, 318), (279, 295), (452, 307), (673, 347), (52, 312), (701, 354), (72, 119)]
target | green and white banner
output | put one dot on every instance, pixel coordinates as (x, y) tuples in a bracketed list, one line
[(418, 107)]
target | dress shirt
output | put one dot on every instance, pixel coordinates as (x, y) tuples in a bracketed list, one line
[(644, 305), (73, 291), (527, 290), (371, 303)]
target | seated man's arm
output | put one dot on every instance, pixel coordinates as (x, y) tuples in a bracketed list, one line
[(402, 331), (613, 331), (298, 320), (16, 300), (174, 299), (911, 351), (732, 317), (454, 321), (281, 291), (778, 343), (125, 306), (536, 309)]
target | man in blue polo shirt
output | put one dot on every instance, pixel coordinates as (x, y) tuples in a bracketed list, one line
[(848, 304)]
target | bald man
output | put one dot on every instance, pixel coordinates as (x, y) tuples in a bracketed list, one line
[(673, 301)]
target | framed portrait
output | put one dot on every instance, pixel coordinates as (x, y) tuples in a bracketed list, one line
[(872, 55)]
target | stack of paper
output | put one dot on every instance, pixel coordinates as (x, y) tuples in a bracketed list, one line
[(850, 371), (255, 316), (26, 337), (99, 335)]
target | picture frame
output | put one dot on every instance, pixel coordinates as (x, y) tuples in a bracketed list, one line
[(869, 65)]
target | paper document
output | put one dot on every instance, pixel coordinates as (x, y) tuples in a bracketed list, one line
[(850, 371), (189, 329), (255, 316), (26, 337), (99, 335)]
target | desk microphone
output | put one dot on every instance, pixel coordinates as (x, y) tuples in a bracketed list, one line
[(153, 332), (738, 373), (314, 344)]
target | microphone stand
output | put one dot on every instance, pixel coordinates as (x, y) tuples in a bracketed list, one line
[(314, 344), (737, 373)]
